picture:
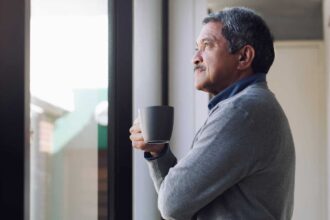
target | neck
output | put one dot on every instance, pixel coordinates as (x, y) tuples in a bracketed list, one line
[(238, 76), (244, 74)]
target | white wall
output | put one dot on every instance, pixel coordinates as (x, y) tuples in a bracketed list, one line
[(147, 59), (185, 17), (190, 106), (201, 98), (326, 30), (297, 79)]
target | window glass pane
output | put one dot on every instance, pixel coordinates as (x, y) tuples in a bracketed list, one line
[(69, 78)]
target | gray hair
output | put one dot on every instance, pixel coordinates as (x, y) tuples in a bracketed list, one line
[(242, 26)]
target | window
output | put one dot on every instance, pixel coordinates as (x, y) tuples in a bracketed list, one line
[(22, 111), (69, 106)]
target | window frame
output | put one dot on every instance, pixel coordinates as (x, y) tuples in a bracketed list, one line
[(120, 109)]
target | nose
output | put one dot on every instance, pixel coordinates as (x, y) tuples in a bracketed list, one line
[(197, 58)]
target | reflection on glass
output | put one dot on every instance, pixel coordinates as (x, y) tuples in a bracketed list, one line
[(69, 75)]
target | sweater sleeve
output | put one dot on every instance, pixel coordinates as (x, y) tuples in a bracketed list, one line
[(221, 156), (159, 167)]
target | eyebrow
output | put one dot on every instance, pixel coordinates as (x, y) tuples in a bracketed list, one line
[(207, 39)]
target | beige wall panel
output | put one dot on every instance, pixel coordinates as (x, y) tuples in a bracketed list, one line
[(298, 80)]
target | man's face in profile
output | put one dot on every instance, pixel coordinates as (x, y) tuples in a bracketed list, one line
[(214, 67)]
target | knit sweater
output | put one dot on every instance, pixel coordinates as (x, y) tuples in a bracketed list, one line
[(240, 167)]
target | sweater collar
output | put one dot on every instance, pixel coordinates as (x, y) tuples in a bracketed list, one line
[(236, 88)]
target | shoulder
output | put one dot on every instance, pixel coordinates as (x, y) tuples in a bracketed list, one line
[(256, 101), (256, 107)]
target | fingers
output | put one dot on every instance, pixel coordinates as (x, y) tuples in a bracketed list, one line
[(136, 137), (138, 142), (140, 145), (154, 149), (135, 127)]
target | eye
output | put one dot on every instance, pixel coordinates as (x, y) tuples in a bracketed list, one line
[(207, 45)]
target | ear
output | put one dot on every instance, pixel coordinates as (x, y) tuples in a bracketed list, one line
[(245, 55)]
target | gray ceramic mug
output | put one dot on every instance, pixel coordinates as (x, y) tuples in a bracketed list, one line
[(156, 123)]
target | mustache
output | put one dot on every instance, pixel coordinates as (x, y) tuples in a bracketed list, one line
[(200, 67)]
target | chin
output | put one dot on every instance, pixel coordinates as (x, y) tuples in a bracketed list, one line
[(199, 86), (202, 87)]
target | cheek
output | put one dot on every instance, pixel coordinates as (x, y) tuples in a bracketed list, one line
[(212, 65), (212, 57)]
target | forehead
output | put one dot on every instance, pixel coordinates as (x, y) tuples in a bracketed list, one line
[(210, 30)]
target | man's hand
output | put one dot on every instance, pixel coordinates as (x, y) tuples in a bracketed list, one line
[(138, 141)]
